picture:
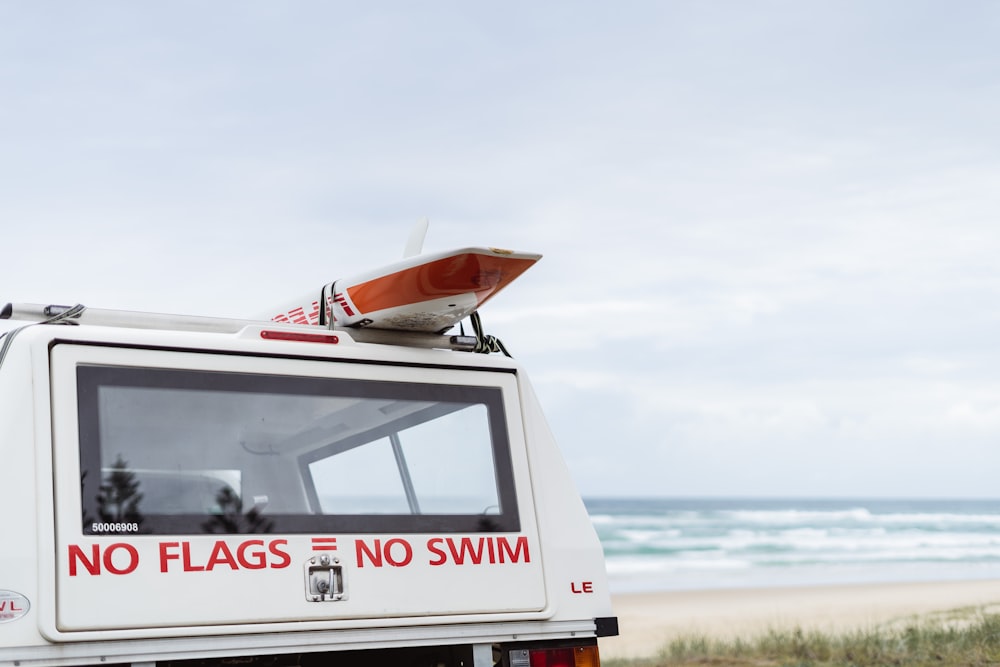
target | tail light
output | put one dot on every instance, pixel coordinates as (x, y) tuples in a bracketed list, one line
[(574, 656), (303, 337)]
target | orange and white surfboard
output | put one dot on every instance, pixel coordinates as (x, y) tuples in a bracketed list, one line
[(428, 293)]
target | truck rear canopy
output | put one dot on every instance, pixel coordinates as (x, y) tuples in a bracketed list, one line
[(202, 489)]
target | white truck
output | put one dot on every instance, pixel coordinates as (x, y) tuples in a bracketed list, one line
[(184, 490)]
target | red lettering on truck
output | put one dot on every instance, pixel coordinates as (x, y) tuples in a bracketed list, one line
[(166, 555), (115, 564), (186, 552), (247, 555), (123, 558), (252, 560), (503, 546), (250, 555), (92, 564), (285, 559), (441, 556), (469, 551), (221, 555), (397, 552), (466, 549)]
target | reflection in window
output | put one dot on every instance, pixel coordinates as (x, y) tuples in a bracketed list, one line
[(119, 497)]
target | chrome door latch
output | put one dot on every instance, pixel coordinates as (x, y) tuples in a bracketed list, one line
[(325, 579)]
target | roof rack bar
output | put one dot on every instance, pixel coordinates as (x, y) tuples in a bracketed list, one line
[(124, 318), (34, 312)]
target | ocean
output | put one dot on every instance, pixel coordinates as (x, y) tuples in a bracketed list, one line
[(675, 544)]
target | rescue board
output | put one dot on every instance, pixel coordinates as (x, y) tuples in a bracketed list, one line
[(426, 293)]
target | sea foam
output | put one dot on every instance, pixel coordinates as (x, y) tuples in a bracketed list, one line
[(686, 543)]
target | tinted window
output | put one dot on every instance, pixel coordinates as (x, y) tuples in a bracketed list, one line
[(179, 451)]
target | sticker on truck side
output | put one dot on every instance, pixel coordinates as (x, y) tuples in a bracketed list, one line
[(12, 606)]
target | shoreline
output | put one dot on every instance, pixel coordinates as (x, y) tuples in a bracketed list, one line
[(648, 621)]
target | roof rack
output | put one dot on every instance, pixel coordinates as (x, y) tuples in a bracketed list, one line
[(41, 313), (34, 312)]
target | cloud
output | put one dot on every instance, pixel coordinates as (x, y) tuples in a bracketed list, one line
[(769, 232)]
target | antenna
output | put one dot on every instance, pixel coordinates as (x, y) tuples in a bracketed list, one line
[(416, 242)]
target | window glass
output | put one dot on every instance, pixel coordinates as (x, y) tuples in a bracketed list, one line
[(172, 451), (440, 466), (362, 480), (466, 482)]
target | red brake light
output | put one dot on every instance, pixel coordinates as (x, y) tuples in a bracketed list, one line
[(556, 657), (299, 336), (577, 656)]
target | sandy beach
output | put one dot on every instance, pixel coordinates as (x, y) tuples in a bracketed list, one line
[(648, 621)]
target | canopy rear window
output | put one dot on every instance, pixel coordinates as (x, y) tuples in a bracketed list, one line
[(167, 451)]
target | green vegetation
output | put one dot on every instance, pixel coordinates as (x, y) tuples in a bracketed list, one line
[(970, 638)]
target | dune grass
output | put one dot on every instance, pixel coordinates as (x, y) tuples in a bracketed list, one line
[(960, 638)]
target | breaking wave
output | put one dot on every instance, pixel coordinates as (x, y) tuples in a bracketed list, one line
[(673, 544)]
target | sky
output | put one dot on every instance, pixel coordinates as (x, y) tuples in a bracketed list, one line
[(770, 229)]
